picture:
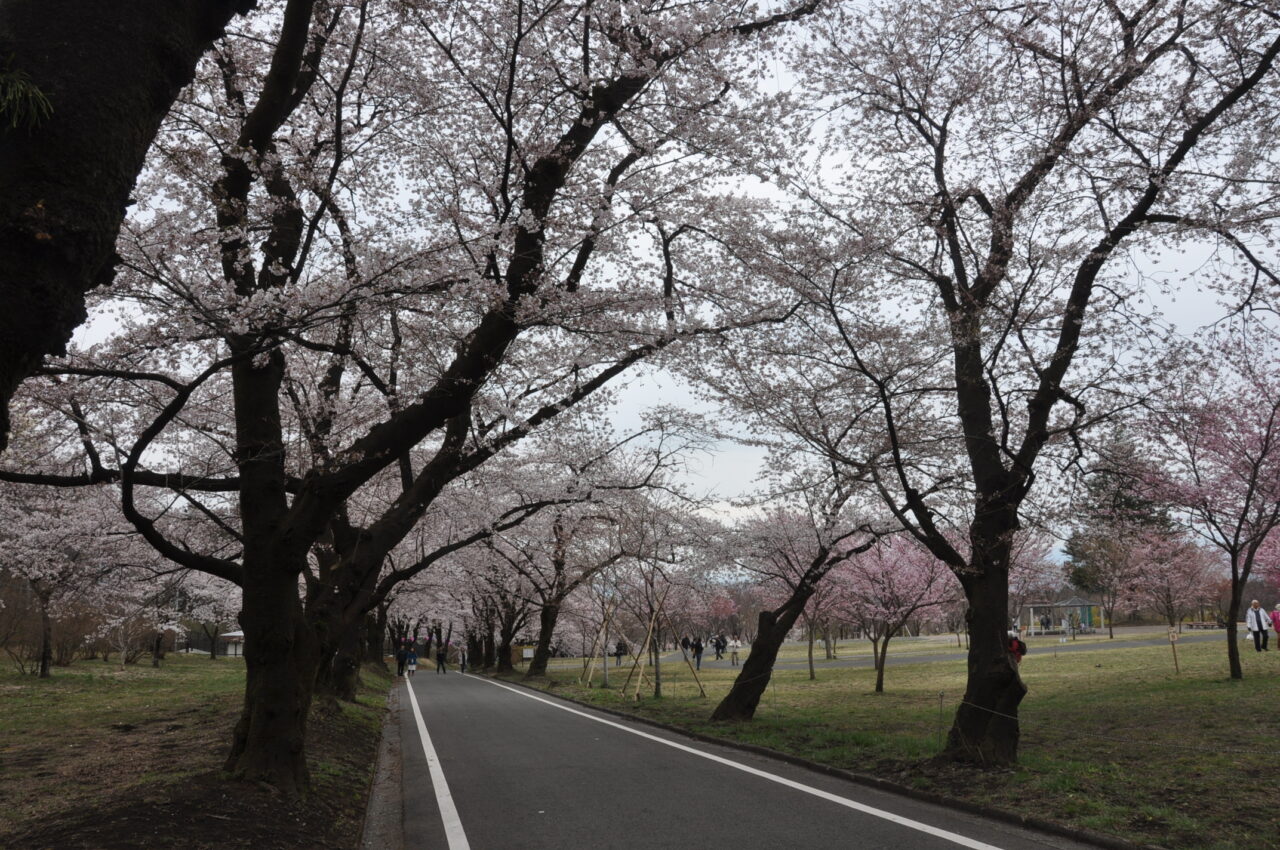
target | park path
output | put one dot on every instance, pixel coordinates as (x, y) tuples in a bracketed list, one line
[(492, 766)]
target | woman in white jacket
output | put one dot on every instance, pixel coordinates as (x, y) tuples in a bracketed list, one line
[(1259, 623)]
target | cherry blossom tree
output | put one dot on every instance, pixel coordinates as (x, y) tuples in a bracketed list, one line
[(1216, 435), (380, 247), (795, 546), (210, 603), (880, 590), (984, 175), (1175, 575)]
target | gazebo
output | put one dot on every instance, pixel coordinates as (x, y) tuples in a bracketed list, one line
[(1064, 615)]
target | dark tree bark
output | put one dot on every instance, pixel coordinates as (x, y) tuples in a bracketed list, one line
[(743, 698), (46, 637), (985, 730), (547, 618), (490, 658), (109, 72)]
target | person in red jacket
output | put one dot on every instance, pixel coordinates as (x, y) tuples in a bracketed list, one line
[(1016, 647)]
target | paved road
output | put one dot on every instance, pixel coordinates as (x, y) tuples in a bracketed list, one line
[(509, 768)]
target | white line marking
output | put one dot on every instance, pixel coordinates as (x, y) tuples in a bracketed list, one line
[(807, 789), (448, 812)]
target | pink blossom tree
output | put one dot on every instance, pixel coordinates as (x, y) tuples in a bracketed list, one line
[(880, 590), (1174, 575), (1216, 435), (964, 258), (379, 247)]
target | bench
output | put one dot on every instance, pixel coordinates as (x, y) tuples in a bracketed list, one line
[(1202, 625)]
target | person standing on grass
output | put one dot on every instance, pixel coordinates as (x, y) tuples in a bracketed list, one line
[(442, 654), (1016, 647), (735, 645), (696, 646), (1259, 624), (411, 661), (619, 651), (1275, 620)]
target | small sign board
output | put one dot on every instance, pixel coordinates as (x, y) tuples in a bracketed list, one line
[(1173, 636)]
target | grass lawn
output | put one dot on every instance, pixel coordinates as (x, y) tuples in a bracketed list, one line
[(1112, 740), (96, 757)]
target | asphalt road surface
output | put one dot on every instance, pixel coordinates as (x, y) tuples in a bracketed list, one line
[(490, 766)]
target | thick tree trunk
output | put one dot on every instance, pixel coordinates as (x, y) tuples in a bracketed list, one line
[(281, 656), (503, 653), (281, 648), (743, 698), (985, 729), (110, 72), (542, 651), (157, 649), (490, 654)]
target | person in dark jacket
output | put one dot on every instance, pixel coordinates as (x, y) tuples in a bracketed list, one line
[(402, 657), (697, 653), (619, 651), (442, 655)]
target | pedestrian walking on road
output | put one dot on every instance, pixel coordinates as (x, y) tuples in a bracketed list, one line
[(718, 643), (411, 662), (1259, 625), (697, 653), (402, 656), (441, 655)]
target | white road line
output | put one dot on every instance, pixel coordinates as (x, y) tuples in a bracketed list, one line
[(448, 812), (807, 789)]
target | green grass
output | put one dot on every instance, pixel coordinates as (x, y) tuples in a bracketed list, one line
[(96, 751), (1111, 740)]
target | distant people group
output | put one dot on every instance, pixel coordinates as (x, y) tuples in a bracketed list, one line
[(407, 658)]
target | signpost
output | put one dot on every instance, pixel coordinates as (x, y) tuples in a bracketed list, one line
[(1173, 644)]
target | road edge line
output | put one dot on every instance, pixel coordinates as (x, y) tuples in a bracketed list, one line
[(453, 830)]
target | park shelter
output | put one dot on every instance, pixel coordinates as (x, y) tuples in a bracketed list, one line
[(231, 643), (1060, 615)]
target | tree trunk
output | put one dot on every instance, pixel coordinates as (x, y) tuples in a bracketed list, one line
[(157, 649), (46, 638), (281, 656), (110, 72), (743, 698), (490, 654), (542, 652), (1233, 631), (813, 675), (503, 653), (880, 652), (985, 729), (657, 661)]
